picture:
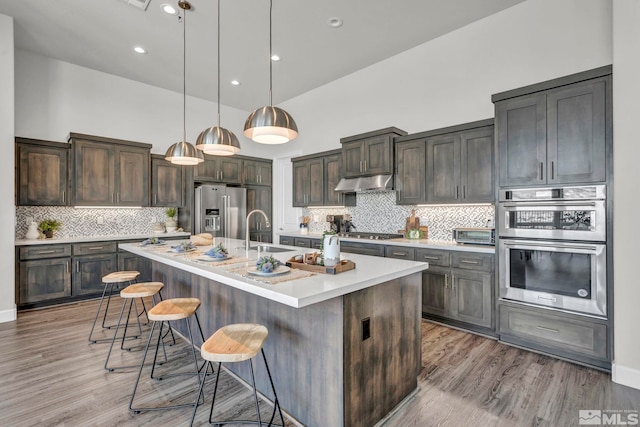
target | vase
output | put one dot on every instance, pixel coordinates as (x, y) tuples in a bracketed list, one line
[(171, 225), (48, 234), (32, 232)]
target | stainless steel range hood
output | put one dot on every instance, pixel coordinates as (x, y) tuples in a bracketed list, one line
[(365, 183)]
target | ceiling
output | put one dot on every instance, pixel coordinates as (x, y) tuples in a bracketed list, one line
[(101, 34)]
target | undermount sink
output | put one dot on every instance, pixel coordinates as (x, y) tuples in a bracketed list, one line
[(272, 249)]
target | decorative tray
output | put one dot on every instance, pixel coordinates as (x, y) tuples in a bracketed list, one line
[(345, 265)]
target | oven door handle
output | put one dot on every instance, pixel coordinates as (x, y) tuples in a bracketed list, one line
[(548, 203), (550, 245)]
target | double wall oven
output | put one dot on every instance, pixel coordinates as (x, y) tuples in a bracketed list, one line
[(552, 248)]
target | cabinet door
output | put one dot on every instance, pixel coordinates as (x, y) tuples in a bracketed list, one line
[(208, 170), (264, 171), (435, 283), (353, 158), (301, 182), (132, 178), (576, 133), (44, 279), (316, 182), (521, 134), (378, 156), (332, 175), (230, 170), (410, 174), (250, 169), (42, 175), (132, 262), (166, 183), (88, 273), (471, 297), (443, 169), (259, 198), (94, 180), (476, 165)]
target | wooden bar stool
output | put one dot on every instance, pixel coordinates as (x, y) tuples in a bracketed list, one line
[(237, 343), (129, 294), (166, 311), (110, 280)]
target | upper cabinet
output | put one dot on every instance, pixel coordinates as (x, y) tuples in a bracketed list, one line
[(257, 172), (369, 153), (314, 179), (42, 177), (166, 183), (555, 132), (449, 165), (219, 169), (110, 172)]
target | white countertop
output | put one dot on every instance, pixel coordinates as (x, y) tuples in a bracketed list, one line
[(417, 243), (297, 293), (25, 242)]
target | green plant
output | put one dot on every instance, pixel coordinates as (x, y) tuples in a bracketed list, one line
[(267, 264), (171, 212), (49, 225)]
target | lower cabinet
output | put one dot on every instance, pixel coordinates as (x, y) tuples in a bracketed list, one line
[(264, 237), (131, 262), (44, 279), (89, 270)]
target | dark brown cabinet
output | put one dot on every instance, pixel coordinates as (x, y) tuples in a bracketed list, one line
[(554, 136), (44, 273), (331, 178), (315, 177), (92, 261), (219, 169), (166, 183), (42, 177), (110, 172), (449, 165), (259, 197), (257, 172), (369, 153)]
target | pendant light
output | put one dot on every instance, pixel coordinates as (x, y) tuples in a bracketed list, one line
[(269, 124), (218, 140), (183, 152)]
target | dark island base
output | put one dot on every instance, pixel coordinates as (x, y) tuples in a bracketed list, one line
[(324, 372)]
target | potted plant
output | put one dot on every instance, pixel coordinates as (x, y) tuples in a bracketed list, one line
[(171, 223), (48, 226)]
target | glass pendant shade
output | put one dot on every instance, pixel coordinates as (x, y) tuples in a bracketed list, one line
[(270, 125), (183, 153), (218, 141)]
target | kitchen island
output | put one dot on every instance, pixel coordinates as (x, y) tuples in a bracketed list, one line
[(344, 349)]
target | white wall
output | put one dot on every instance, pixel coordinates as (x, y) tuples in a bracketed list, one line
[(7, 209), (626, 150)]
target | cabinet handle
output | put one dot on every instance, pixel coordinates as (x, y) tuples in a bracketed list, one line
[(453, 282), (365, 165), (360, 165), (464, 191), (457, 188), (399, 253), (221, 175), (260, 179), (446, 281), (467, 261), (46, 252), (541, 171), (77, 266), (435, 258), (93, 248), (155, 198), (552, 169), (542, 328), (118, 197), (113, 197), (67, 267), (64, 196)]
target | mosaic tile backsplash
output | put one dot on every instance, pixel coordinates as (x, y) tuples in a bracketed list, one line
[(378, 212), (83, 222)]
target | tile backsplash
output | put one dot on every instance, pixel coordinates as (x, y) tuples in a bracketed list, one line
[(378, 212), (84, 222)]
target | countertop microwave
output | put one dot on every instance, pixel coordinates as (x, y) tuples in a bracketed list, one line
[(475, 236)]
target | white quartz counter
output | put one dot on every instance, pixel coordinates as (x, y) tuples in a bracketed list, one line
[(25, 242), (297, 293), (418, 243)]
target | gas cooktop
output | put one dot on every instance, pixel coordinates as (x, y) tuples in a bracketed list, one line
[(370, 236)]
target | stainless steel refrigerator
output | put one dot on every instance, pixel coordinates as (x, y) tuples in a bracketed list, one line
[(221, 211)]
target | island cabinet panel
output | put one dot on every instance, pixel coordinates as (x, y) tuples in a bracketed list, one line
[(324, 372), (42, 177), (166, 183), (381, 369)]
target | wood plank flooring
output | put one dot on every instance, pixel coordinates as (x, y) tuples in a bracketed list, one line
[(51, 376)]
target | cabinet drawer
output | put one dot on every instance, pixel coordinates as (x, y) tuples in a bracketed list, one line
[(94, 248), (362, 248), (46, 251), (301, 242), (315, 243), (433, 257), (400, 252), (472, 261), (286, 240), (555, 333)]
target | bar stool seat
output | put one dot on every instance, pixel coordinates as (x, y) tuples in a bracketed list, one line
[(110, 280), (237, 343), (164, 312), (130, 293)]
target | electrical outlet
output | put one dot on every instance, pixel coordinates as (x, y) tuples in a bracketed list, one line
[(366, 328), (29, 219), (100, 220), (154, 220)]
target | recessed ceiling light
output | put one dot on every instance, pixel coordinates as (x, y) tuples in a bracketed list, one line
[(167, 8), (235, 82), (275, 57), (140, 49), (334, 22)]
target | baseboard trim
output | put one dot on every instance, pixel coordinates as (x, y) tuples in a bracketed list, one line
[(625, 375), (8, 315)]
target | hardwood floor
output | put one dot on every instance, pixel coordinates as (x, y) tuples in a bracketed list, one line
[(51, 376)]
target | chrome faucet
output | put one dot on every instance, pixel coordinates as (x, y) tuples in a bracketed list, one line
[(267, 223)]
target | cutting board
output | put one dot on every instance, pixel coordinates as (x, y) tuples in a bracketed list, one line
[(413, 221)]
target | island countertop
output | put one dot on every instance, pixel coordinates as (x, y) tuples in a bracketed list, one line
[(302, 292)]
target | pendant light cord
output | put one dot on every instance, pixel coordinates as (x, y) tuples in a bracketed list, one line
[(270, 56), (184, 76), (218, 63)]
